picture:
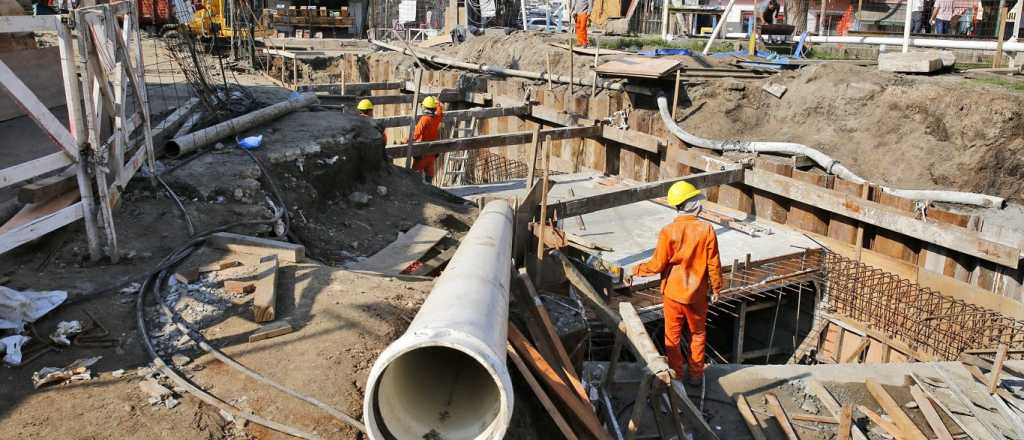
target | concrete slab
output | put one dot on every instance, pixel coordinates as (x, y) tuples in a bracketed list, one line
[(948, 58), (910, 62), (632, 230)]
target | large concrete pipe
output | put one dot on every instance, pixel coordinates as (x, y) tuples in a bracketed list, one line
[(192, 141), (446, 376)]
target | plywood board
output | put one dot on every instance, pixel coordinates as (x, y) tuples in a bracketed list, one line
[(409, 247), (641, 67)]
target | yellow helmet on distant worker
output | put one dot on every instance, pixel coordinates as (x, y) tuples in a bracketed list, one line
[(681, 192), (365, 105), (430, 102)]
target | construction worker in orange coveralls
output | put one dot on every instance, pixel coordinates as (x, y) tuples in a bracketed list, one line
[(428, 128), (687, 260), (581, 13)]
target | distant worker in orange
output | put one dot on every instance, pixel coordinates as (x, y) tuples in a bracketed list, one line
[(581, 13), (687, 260), (428, 128), (365, 108)]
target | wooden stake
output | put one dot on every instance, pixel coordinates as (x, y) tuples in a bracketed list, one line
[(845, 423), (532, 173), (780, 416), (675, 96), (556, 416), (571, 42), (544, 198), (412, 124), (748, 416), (547, 73), (997, 370), (997, 60)]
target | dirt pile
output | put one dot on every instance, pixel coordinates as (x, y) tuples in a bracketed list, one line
[(914, 132)]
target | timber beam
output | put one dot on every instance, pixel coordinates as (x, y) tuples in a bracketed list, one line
[(585, 205), (351, 87), (444, 96), (976, 244), (488, 141), (457, 115)]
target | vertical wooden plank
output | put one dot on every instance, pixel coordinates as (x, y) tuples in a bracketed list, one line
[(770, 206), (845, 423), (891, 243), (806, 217), (78, 128), (839, 227)]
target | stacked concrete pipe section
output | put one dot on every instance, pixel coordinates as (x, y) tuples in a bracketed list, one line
[(446, 376)]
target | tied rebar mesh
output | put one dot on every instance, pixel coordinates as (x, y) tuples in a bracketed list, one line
[(924, 319)]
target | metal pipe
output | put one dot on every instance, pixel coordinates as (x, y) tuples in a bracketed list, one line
[(916, 42), (830, 165), (193, 141), (446, 376), (540, 76)]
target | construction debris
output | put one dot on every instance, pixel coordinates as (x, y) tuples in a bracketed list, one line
[(909, 62), (271, 330), (75, 371), (18, 308), (65, 330)]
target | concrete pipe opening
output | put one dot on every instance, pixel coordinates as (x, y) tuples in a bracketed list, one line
[(436, 392)]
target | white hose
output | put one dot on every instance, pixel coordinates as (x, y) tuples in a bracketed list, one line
[(830, 165)]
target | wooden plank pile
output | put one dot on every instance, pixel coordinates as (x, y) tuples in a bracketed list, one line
[(945, 405)]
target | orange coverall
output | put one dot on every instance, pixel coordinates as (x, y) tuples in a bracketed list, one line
[(687, 260), (581, 29), (428, 128)]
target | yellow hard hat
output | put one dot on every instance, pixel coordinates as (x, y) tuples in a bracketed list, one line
[(681, 192), (430, 102), (365, 105)]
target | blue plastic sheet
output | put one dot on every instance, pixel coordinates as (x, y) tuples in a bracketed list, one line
[(664, 52)]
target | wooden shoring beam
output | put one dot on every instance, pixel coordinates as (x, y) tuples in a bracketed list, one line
[(27, 170), (40, 226), (353, 87), (588, 204), (959, 239), (492, 140), (28, 23), (445, 96), (454, 116)]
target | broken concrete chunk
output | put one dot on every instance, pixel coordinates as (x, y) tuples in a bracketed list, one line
[(776, 90), (154, 389), (118, 373), (180, 360), (382, 190), (910, 62)]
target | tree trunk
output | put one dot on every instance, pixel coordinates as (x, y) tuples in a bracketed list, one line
[(796, 14)]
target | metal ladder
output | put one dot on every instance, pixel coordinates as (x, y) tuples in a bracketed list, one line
[(456, 162)]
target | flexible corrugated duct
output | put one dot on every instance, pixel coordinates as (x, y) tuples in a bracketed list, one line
[(830, 165), (446, 376)]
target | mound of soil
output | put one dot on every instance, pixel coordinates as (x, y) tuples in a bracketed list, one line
[(913, 132)]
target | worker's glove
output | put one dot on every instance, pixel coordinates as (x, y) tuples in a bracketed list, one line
[(714, 297), (627, 279)]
